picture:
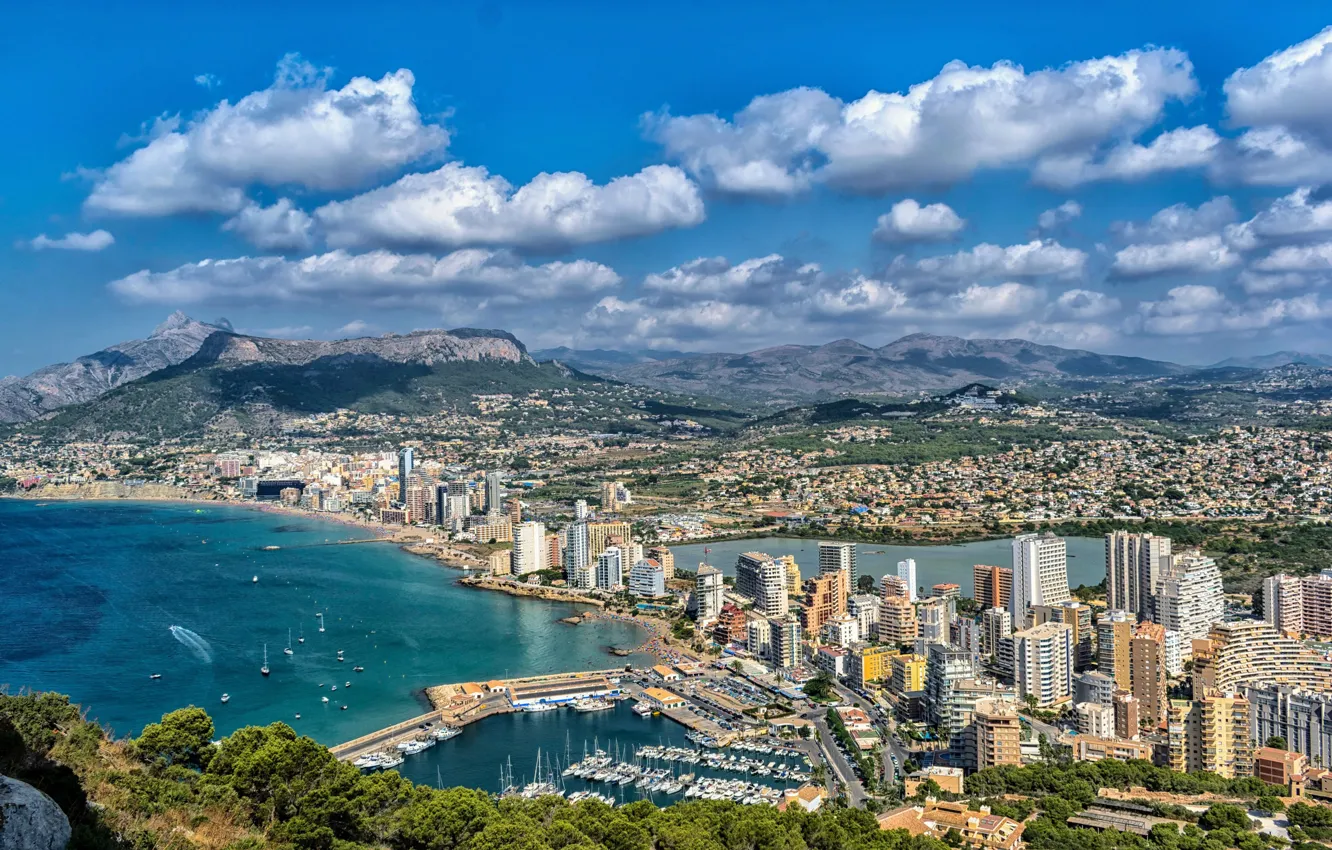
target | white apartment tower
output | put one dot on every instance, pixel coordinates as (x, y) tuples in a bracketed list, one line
[(1043, 663), (577, 550), (762, 579), (610, 570), (1040, 573), (529, 548), (906, 571), (1134, 564), (1283, 602), (709, 591), (839, 556), (494, 493), (1189, 598)]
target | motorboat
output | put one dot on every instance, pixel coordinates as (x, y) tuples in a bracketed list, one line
[(592, 705), (226, 698), (348, 685), (334, 688), (254, 580), (344, 708), (358, 669), (298, 715), (155, 676), (325, 699), (444, 733)]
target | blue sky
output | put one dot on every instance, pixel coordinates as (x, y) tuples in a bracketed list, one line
[(706, 176)]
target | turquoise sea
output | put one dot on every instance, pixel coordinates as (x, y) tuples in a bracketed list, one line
[(91, 590)]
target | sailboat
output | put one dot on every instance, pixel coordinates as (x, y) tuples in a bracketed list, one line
[(288, 651), (300, 639), (265, 669), (321, 621)]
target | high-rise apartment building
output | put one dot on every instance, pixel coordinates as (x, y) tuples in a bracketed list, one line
[(1096, 720), (1316, 604), (865, 608), (646, 578), (529, 548), (1134, 563), (1189, 598), (762, 580), (580, 510), (1079, 617), (906, 571), (794, 583), (514, 508), (785, 652), (610, 570), (935, 617), (1253, 653), (825, 599), (494, 492), (870, 664), (758, 638), (578, 552), (1114, 631), (894, 586), (996, 624), (709, 593), (944, 667), (1303, 718), (554, 552), (666, 558), (1040, 573), (610, 501), (1147, 658), (997, 734), (600, 535), (992, 587), (1043, 663), (908, 674), (839, 556), (406, 463), (1211, 734), (1283, 603), (897, 620)]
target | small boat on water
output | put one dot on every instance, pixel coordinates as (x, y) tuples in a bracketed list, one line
[(592, 705), (344, 708), (298, 715), (264, 670), (155, 676), (226, 698), (301, 639), (334, 688), (642, 709), (540, 706), (358, 669), (348, 685), (288, 650), (325, 699), (321, 621), (340, 658), (254, 580)]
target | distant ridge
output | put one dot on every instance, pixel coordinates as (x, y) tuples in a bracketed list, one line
[(1275, 360)]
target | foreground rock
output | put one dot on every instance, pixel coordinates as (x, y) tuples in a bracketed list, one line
[(30, 820)]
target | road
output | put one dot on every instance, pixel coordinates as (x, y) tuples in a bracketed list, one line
[(886, 730), (855, 792)]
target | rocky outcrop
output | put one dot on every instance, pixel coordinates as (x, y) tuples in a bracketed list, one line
[(96, 490), (30, 820), (172, 342), (424, 347)]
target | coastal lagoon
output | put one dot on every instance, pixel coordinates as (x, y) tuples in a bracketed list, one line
[(934, 564), (91, 590)]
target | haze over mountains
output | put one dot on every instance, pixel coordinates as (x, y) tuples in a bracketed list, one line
[(192, 370)]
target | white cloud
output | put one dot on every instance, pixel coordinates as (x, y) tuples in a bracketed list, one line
[(1174, 150), (356, 327), (280, 227), (296, 132), (908, 221), (1288, 89), (1196, 255), (1089, 335), (1195, 309), (459, 205), (942, 130), (1294, 216), (1274, 156), (377, 277), (1033, 259), (206, 80), (1181, 221), (1085, 304), (1052, 219), (1260, 283), (95, 241), (1297, 258)]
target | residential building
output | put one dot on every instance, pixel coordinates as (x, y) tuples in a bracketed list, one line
[(762, 580), (500, 563), (582, 578), (935, 617), (514, 508), (1079, 617), (1283, 603), (964, 633), (893, 586), (1211, 734), (529, 548), (732, 626), (1134, 563), (1096, 719), (610, 570), (839, 556), (488, 530), (1148, 672), (794, 584), (949, 780), (865, 608), (957, 710), (406, 463), (709, 593), (1093, 686), (786, 636), (906, 571), (554, 553), (666, 558), (580, 510), (944, 667), (1174, 653), (825, 599), (1040, 573), (610, 497), (578, 552), (1113, 633), (1189, 598), (946, 590), (601, 535), (1043, 663), (1278, 767), (870, 663), (992, 586), (973, 830), (897, 620), (1253, 653), (1316, 604), (647, 578), (1088, 748), (908, 673), (996, 734), (494, 492), (758, 639), (843, 631), (1302, 717), (832, 660), (1128, 715), (996, 624)]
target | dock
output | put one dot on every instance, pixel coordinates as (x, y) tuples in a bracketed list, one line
[(384, 739)]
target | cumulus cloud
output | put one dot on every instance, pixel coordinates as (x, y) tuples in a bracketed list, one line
[(942, 130), (377, 277), (1053, 219), (1297, 258), (206, 80), (296, 132), (908, 221), (1032, 259), (1181, 221), (1287, 89), (356, 327), (1298, 214), (1197, 255), (1275, 156), (1195, 309), (1085, 304), (280, 227), (1174, 150), (94, 241), (459, 205)]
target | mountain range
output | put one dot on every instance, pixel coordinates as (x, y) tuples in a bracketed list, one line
[(915, 363), (1276, 360)]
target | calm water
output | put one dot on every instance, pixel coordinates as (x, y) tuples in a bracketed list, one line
[(934, 564), (91, 590), (474, 758)]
